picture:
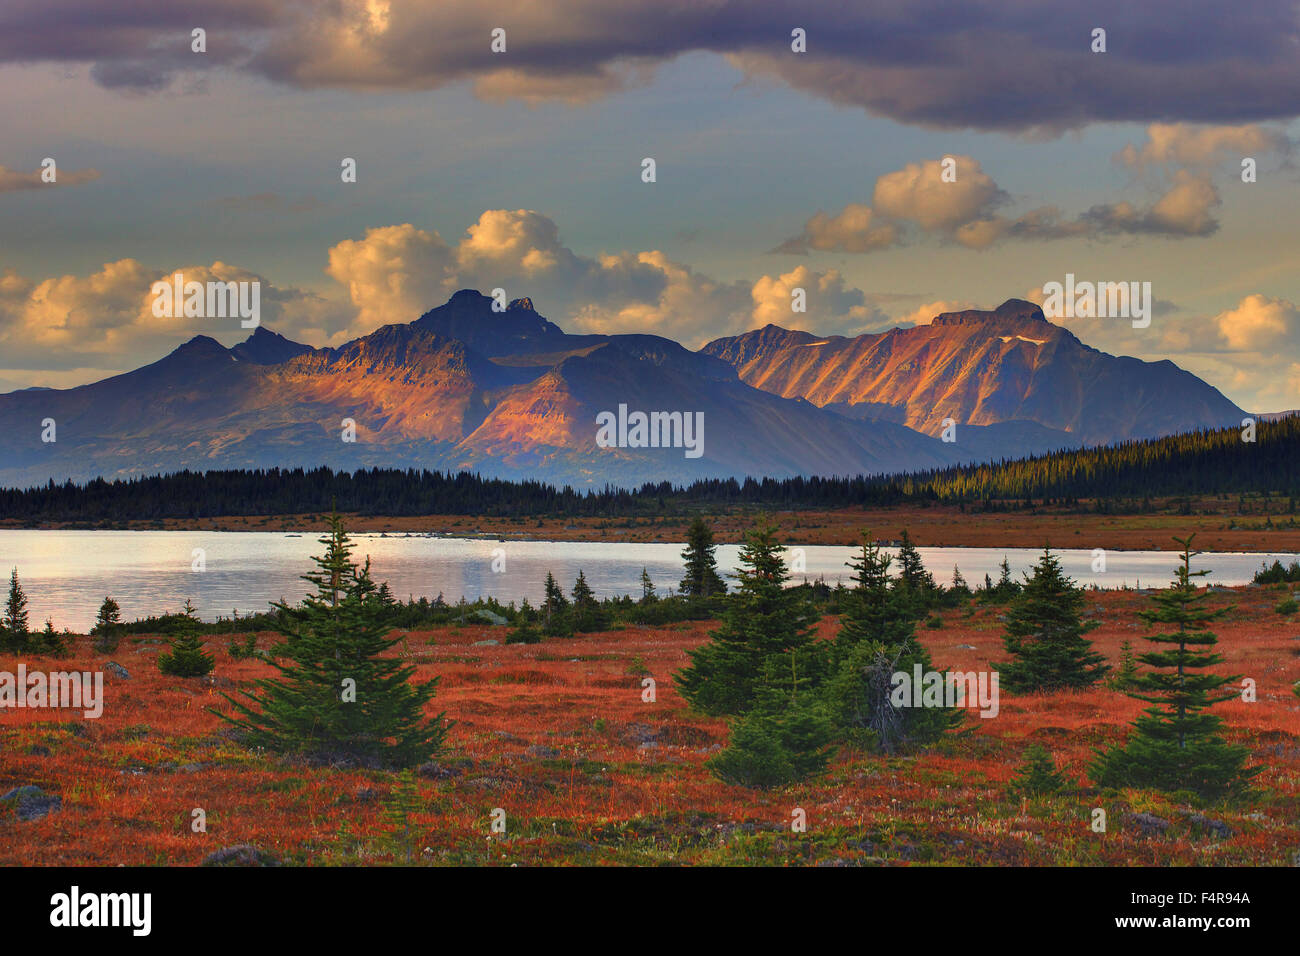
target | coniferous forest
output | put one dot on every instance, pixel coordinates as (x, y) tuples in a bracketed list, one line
[(1197, 463)]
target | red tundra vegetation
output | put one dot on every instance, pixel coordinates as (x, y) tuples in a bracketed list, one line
[(557, 735)]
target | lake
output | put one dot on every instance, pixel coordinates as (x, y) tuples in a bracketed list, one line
[(66, 574)]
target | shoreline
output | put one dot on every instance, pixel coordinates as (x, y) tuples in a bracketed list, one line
[(936, 526)]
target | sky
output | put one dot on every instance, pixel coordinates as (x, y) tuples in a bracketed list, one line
[(775, 169)]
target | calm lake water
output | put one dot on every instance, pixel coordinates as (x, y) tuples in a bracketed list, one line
[(66, 574)]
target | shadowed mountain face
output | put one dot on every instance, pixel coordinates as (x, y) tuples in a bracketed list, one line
[(510, 394), (980, 368)]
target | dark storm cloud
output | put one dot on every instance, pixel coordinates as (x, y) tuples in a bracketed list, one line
[(1015, 65)]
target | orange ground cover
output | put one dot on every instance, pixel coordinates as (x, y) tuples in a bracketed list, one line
[(558, 736)]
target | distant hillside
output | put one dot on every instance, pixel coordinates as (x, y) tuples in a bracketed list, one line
[(1199, 463)]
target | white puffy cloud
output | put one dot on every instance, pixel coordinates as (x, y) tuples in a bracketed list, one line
[(105, 320), (392, 274), (1184, 210), (1258, 322), (918, 198), (832, 308), (919, 193), (855, 228), (1187, 144)]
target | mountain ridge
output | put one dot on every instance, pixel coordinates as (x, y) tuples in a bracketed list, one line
[(510, 394)]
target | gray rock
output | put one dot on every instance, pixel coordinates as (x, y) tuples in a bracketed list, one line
[(117, 670), (1217, 827), (1149, 824), (542, 751), (239, 855), (31, 802), (486, 643)]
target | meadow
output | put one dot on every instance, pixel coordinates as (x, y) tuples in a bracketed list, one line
[(558, 735)]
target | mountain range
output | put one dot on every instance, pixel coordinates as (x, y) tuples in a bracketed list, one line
[(510, 394)]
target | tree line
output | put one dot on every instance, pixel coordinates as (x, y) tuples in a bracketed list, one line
[(1196, 463)]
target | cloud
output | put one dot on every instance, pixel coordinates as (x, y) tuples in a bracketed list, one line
[(1181, 212), (1185, 144), (1257, 323), (11, 181), (855, 228), (919, 193), (988, 64), (832, 308), (105, 320), (924, 314), (392, 274), (919, 199), (396, 273)]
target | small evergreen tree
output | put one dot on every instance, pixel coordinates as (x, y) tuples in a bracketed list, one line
[(1176, 743), (647, 588), (912, 573), (701, 579), (587, 613), (780, 741), (525, 630), (338, 695), (1044, 634), (400, 807), (764, 626), (14, 628), (51, 642), (1005, 589), (1038, 775), (239, 650), (186, 658), (876, 639), (555, 610), (108, 627), (1127, 671)]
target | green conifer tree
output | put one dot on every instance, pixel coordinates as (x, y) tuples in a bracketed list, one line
[(1044, 634), (14, 628), (51, 642), (400, 807), (555, 610), (186, 658), (588, 615), (877, 639), (785, 737), (525, 630), (701, 579), (1038, 775), (107, 630), (1176, 744), (338, 695), (764, 625)]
